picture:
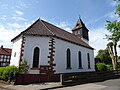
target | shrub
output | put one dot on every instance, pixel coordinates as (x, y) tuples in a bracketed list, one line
[(5, 74), (1, 71), (10, 72), (23, 68), (101, 67), (109, 67)]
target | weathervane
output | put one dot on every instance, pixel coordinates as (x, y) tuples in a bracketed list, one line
[(79, 16)]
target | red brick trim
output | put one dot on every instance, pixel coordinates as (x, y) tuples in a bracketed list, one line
[(51, 54), (22, 49)]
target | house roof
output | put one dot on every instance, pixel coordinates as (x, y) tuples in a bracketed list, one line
[(41, 27), (5, 51)]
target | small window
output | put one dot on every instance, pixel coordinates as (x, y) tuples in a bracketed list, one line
[(1, 56), (1, 59), (68, 59), (5, 56), (88, 57), (7, 60), (15, 54), (4, 60)]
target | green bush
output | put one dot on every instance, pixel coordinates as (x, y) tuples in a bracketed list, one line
[(23, 68), (10, 72), (109, 67), (101, 67), (1, 71)]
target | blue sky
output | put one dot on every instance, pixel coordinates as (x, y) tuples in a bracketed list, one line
[(17, 15)]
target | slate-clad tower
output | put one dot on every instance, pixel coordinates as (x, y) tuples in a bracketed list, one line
[(81, 30)]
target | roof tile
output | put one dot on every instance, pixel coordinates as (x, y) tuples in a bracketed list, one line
[(5, 51)]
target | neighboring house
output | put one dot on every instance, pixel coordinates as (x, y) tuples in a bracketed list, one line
[(5, 54), (52, 49)]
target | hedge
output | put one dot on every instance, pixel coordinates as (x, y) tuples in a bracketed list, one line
[(8, 73)]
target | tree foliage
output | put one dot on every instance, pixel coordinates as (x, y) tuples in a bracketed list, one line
[(118, 9), (114, 28), (104, 56)]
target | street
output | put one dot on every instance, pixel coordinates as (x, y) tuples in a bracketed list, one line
[(113, 84)]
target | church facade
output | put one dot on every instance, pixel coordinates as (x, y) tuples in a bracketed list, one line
[(48, 48)]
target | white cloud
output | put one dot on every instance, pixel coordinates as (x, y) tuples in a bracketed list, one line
[(5, 6), (99, 18), (6, 36), (2, 18), (112, 15), (97, 39), (19, 12), (9, 31), (19, 19), (113, 3), (23, 4), (15, 25), (64, 26)]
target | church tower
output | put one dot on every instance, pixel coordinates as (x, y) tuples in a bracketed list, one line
[(81, 30)]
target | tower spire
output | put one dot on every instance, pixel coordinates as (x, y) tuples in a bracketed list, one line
[(81, 30)]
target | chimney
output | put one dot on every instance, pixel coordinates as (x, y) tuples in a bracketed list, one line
[(1, 46)]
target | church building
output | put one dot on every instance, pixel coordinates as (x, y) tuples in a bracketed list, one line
[(48, 48)]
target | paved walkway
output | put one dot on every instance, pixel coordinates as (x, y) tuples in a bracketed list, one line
[(113, 84), (41, 86)]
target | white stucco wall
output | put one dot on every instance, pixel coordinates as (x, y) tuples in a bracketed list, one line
[(60, 57), (16, 49), (36, 41), (60, 54)]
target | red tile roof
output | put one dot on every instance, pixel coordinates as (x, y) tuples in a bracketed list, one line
[(44, 28), (5, 51)]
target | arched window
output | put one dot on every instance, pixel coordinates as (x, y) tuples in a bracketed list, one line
[(36, 57), (88, 57), (68, 59), (79, 59)]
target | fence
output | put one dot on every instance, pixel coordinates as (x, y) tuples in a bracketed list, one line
[(66, 78), (84, 77), (36, 78)]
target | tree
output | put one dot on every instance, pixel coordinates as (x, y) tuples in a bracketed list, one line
[(114, 28), (23, 68), (104, 56), (110, 49)]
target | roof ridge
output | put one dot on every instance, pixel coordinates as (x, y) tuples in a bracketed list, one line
[(30, 26), (46, 27), (59, 28)]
